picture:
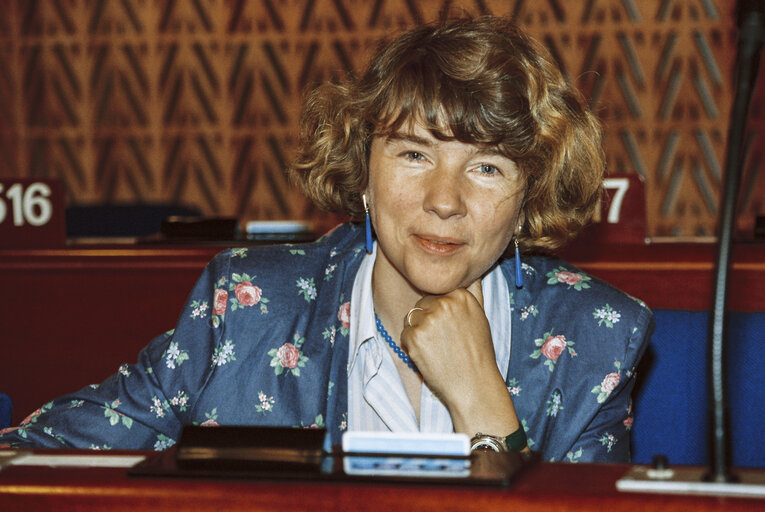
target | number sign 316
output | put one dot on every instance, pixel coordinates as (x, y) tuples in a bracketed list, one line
[(31, 213)]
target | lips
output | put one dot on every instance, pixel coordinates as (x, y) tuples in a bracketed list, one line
[(437, 245)]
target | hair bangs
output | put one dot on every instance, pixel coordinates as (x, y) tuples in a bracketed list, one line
[(420, 91)]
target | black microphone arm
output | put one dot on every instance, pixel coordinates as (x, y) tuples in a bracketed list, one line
[(751, 22)]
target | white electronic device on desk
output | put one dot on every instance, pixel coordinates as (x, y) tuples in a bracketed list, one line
[(406, 454)]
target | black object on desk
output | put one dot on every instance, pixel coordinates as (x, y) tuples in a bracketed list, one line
[(200, 228), (284, 454), (121, 220), (256, 449)]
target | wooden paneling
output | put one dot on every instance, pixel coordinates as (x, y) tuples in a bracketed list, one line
[(197, 101)]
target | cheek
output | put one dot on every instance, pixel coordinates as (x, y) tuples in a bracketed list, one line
[(393, 200), (498, 219)]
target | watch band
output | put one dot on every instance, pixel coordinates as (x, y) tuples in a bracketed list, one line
[(516, 441)]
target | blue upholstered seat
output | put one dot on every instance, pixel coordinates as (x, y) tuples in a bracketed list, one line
[(671, 406), (6, 408)]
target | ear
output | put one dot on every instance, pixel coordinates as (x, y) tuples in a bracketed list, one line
[(520, 221)]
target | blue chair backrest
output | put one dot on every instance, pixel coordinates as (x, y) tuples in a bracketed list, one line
[(6, 409), (671, 397)]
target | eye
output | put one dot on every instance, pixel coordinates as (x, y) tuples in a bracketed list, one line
[(414, 155), (488, 169)]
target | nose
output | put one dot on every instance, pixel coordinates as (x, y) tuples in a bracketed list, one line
[(444, 195)]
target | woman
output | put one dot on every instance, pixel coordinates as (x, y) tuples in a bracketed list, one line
[(459, 139)]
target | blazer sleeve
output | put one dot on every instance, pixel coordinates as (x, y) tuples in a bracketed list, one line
[(606, 439), (143, 405)]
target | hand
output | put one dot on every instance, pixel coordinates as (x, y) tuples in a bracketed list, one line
[(450, 341)]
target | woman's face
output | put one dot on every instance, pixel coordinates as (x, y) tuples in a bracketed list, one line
[(443, 211)]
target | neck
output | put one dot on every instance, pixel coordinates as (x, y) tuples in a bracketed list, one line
[(393, 296)]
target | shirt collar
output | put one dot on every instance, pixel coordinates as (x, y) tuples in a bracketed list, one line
[(496, 305), (363, 325)]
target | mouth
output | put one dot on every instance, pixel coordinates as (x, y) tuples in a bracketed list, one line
[(441, 246)]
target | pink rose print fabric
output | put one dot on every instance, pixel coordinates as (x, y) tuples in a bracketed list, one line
[(287, 359), (551, 346), (246, 294), (576, 280)]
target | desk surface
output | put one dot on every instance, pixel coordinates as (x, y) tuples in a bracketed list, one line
[(546, 486)]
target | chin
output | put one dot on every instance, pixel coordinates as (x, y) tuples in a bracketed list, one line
[(437, 286)]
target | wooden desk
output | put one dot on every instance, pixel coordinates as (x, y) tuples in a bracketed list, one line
[(70, 317), (545, 487), (677, 276)]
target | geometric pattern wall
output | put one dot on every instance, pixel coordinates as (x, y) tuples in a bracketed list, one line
[(196, 101)]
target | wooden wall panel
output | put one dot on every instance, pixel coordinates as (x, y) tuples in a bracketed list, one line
[(196, 101)]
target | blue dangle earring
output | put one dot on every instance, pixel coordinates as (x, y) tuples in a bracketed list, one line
[(518, 269), (368, 223)]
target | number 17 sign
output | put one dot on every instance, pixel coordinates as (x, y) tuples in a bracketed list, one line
[(31, 213)]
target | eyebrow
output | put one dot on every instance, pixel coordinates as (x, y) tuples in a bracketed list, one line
[(407, 137), (415, 139)]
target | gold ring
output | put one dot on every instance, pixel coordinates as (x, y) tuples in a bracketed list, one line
[(409, 315)]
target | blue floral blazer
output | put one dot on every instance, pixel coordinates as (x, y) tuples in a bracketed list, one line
[(263, 340)]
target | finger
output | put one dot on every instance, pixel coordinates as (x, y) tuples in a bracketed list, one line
[(419, 310), (476, 289)]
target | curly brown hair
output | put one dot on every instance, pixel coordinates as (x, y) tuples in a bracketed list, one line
[(480, 81)]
